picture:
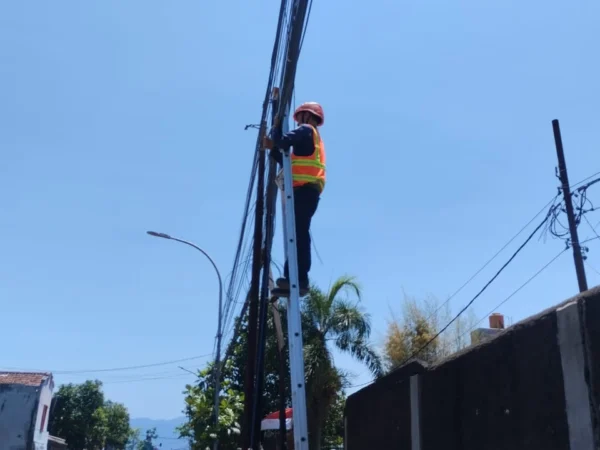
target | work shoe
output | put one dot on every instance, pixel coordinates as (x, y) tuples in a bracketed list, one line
[(283, 284)]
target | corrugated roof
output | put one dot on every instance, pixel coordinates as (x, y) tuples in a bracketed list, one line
[(24, 378)]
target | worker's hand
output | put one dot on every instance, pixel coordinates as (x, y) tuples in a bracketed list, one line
[(267, 143)]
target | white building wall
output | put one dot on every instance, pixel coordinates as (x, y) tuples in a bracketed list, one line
[(40, 436)]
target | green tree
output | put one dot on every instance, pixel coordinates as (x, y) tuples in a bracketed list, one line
[(332, 317), (410, 336), (118, 429), (329, 318), (85, 420), (78, 415), (133, 439), (199, 409), (239, 357), (333, 431), (199, 400), (148, 442)]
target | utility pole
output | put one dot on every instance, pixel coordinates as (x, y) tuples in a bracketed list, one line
[(266, 285), (566, 189), (249, 381)]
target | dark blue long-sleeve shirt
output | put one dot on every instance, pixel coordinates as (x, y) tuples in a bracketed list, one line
[(302, 139)]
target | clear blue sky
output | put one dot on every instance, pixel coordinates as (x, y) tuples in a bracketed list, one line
[(119, 117)]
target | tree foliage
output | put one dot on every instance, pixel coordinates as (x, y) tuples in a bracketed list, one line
[(421, 320), (83, 417), (331, 318), (333, 431), (133, 439), (119, 431), (239, 360), (199, 409), (148, 442)]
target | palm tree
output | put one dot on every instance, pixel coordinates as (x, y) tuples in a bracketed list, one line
[(332, 317)]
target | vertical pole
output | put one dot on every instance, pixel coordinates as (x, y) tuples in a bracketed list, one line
[(415, 412), (264, 306), (566, 189), (271, 201), (579, 407), (249, 381), (294, 315), (218, 363)]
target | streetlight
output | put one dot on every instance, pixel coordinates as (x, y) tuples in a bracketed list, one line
[(217, 369)]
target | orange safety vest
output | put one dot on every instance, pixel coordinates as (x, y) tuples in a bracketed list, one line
[(310, 169)]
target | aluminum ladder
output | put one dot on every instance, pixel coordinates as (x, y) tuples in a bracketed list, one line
[(299, 419)]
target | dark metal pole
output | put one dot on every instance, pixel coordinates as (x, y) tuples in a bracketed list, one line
[(271, 200), (249, 381), (564, 179)]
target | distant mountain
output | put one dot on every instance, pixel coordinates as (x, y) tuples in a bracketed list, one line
[(165, 429)]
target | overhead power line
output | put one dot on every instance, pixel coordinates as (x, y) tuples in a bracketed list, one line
[(510, 241), (585, 179), (535, 275), (114, 369), (489, 261), (137, 380), (514, 255), (592, 227), (552, 215), (513, 293), (592, 267)]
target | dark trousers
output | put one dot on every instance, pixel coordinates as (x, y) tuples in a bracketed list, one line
[(306, 200)]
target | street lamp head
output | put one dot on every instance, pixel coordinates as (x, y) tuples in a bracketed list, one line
[(160, 235)]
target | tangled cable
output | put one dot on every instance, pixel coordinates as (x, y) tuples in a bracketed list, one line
[(582, 205)]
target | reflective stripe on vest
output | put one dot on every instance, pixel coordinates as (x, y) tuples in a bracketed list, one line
[(310, 169)]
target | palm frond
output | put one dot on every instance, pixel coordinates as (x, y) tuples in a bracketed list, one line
[(362, 351), (315, 307), (346, 318), (343, 283)]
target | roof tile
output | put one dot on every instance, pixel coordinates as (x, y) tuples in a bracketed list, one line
[(24, 378)]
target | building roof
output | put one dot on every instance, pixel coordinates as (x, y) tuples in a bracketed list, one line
[(24, 378)]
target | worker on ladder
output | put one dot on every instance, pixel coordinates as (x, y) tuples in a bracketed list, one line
[(308, 175)]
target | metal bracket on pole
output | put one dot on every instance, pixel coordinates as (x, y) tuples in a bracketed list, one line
[(293, 309)]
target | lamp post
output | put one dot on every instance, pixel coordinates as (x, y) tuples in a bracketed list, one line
[(217, 369)]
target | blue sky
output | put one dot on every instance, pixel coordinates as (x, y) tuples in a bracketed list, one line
[(119, 117)]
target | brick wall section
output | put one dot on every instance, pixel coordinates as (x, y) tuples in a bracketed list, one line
[(504, 394)]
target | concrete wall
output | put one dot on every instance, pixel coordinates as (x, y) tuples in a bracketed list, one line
[(18, 410), (534, 386)]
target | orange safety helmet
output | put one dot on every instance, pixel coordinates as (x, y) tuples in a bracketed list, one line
[(312, 107)]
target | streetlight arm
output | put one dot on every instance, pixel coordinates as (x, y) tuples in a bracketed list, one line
[(207, 257), (191, 244), (217, 368)]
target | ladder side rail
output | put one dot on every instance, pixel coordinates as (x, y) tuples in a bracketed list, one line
[(294, 314)]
